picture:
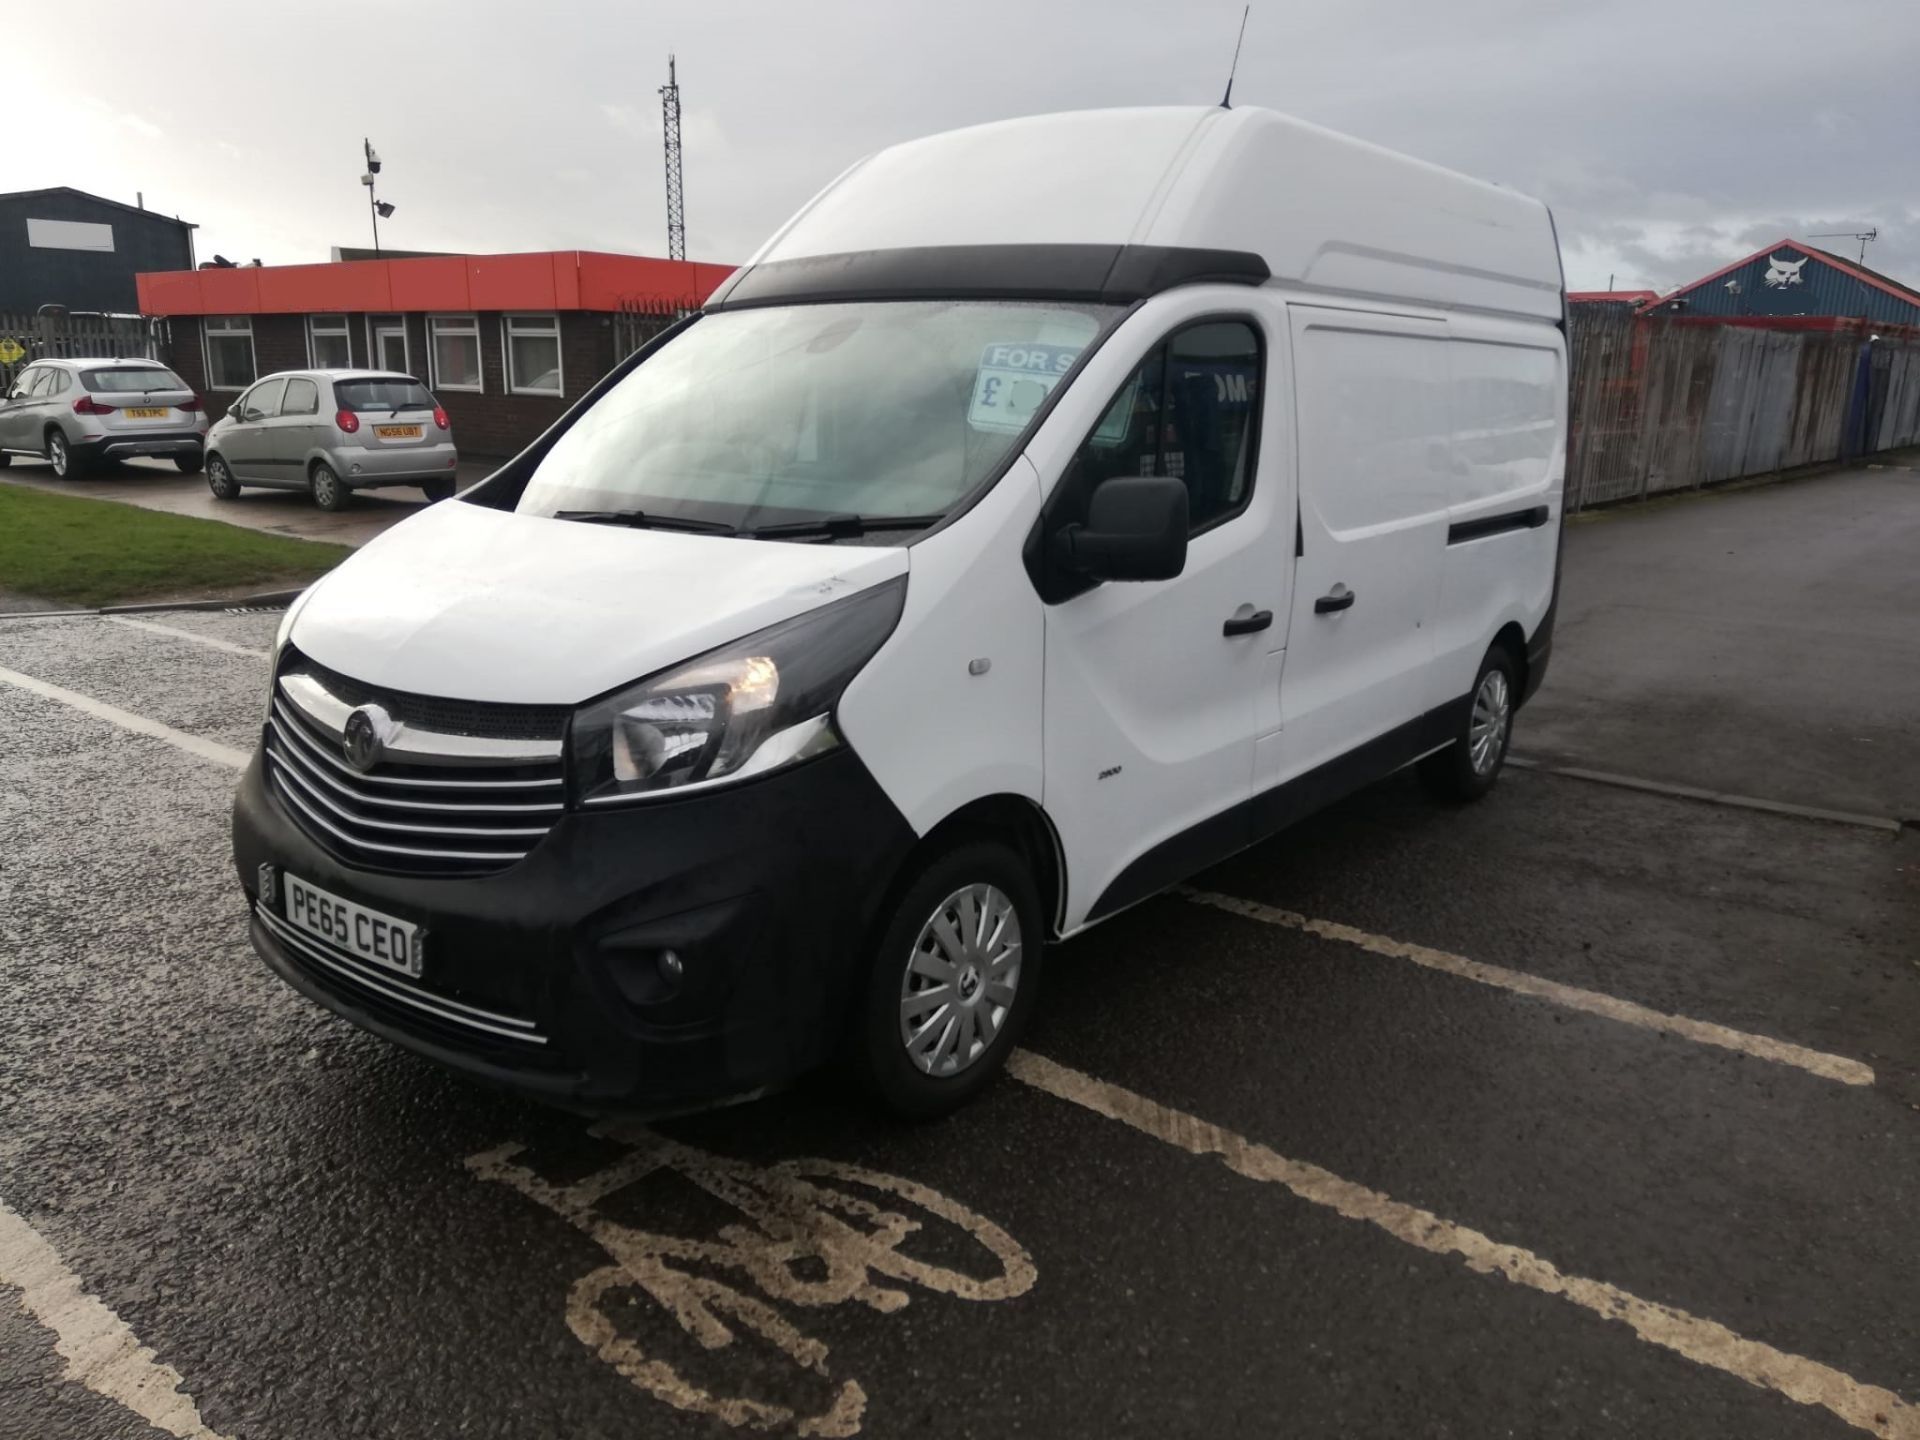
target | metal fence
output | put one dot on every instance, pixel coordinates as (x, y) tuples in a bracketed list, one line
[(26, 338), (1662, 405), (638, 321)]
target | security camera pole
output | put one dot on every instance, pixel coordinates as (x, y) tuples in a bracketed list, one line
[(377, 209)]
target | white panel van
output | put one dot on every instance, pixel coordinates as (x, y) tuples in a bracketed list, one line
[(1049, 510)]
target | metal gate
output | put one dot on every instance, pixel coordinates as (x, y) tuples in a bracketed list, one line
[(26, 338)]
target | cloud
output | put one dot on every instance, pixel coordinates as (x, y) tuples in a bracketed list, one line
[(1666, 136)]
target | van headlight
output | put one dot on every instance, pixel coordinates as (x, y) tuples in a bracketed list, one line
[(747, 708)]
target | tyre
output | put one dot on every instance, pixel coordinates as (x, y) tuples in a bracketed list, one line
[(1467, 768), (220, 479), (328, 493), (951, 983), (189, 464), (5, 459), (437, 490), (66, 465)]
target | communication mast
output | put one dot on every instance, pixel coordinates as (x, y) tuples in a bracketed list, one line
[(676, 194)]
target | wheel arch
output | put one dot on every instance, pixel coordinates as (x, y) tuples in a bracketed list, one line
[(1012, 819), (1512, 639)]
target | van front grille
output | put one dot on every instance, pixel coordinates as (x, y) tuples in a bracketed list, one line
[(455, 804)]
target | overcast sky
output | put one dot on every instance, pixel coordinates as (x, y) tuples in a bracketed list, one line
[(1670, 137)]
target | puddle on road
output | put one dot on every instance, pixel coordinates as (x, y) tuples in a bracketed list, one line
[(799, 1235)]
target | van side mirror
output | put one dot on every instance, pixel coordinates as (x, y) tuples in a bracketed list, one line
[(1136, 530)]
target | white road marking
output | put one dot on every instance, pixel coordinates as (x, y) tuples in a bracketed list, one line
[(174, 632), (100, 1351), (127, 720), (1705, 1342), (1761, 1047)]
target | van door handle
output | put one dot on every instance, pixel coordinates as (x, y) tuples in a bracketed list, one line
[(1251, 623), (1338, 598)]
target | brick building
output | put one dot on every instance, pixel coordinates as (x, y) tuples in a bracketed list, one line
[(506, 342)]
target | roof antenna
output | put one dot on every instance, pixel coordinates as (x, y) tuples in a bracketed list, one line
[(1226, 100)]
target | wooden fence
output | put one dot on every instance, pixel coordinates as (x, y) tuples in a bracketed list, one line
[(26, 338), (1661, 405)]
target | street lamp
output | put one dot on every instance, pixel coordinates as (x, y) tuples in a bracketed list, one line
[(378, 209)]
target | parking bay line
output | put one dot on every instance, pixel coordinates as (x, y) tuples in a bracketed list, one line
[(101, 1352), (126, 719), (212, 642), (1592, 1002), (1705, 1342)]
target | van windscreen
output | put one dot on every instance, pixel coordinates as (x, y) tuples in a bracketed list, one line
[(131, 380), (378, 394), (791, 414)]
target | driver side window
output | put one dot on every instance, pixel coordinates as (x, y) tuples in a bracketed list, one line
[(1191, 410)]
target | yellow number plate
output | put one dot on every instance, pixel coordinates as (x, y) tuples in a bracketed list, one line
[(144, 414), (397, 432)]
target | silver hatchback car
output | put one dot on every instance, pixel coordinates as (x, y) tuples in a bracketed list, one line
[(78, 413), (331, 432)]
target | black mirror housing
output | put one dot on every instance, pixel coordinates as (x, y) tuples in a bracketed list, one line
[(1136, 530)]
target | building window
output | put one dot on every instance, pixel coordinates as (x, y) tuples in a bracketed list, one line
[(230, 363), (533, 354), (453, 342), (327, 347)]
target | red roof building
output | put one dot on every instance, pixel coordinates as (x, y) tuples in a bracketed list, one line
[(507, 342)]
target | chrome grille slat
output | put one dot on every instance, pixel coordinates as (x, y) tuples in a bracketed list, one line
[(416, 811), (499, 858), (398, 988), (463, 832), (314, 743), (310, 769)]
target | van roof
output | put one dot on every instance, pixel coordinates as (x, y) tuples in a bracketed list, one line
[(1253, 188)]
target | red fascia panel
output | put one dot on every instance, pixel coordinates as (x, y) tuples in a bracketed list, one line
[(608, 280), (511, 282), (169, 292), (437, 282), (319, 289), (542, 282)]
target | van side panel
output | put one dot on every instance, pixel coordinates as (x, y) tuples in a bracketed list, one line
[(1507, 403), (935, 734), (1372, 431)]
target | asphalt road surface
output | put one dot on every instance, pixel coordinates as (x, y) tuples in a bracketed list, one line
[(1585, 1110)]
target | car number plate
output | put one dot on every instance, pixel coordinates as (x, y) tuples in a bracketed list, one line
[(144, 413), (397, 432), (376, 938)]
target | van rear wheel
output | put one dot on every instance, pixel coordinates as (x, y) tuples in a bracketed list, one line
[(952, 982), (1467, 768)]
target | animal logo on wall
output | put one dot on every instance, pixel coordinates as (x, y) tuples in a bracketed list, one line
[(1782, 272)]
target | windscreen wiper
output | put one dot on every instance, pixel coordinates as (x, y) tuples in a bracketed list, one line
[(837, 527), (640, 520)]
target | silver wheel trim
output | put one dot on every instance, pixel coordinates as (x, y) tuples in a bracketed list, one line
[(217, 476), (960, 980), (57, 453), (1487, 729), (324, 482)]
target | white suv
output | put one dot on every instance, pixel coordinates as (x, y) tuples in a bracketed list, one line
[(77, 413)]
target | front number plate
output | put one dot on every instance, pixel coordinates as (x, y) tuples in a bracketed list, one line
[(376, 938)]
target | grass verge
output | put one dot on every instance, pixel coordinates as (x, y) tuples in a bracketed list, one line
[(98, 552)]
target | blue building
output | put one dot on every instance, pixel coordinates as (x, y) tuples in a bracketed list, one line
[(1791, 283)]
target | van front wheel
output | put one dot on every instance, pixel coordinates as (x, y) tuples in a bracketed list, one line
[(1467, 768), (952, 983)]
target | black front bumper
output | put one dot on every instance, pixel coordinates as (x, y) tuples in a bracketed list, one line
[(547, 976)]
